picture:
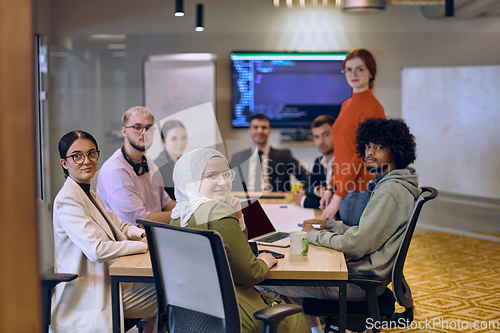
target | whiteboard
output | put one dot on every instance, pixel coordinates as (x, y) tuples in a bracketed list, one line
[(454, 113), (182, 87)]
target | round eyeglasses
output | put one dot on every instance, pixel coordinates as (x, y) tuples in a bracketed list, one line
[(79, 158), (351, 71), (138, 127), (214, 178)]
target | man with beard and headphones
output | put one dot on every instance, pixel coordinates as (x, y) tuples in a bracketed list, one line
[(125, 183)]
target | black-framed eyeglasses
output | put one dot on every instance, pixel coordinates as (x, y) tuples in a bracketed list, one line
[(350, 71), (214, 178), (79, 158), (138, 127)]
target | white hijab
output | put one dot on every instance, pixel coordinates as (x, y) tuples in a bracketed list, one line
[(187, 178)]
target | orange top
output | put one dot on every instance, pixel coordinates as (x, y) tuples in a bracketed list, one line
[(349, 171)]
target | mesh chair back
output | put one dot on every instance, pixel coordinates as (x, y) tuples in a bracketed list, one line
[(194, 285), (401, 291)]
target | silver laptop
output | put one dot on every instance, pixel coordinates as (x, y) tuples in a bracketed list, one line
[(260, 229)]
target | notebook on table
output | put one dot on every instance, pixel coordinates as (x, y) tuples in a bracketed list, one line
[(260, 229)]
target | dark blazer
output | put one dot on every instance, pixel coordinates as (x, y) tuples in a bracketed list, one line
[(281, 165), (166, 165), (316, 178)]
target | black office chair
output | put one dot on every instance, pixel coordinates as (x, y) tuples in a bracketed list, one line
[(380, 310), (48, 278), (194, 285)]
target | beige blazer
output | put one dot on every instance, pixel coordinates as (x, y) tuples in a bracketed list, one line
[(85, 245)]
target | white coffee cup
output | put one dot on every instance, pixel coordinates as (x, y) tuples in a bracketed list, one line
[(298, 243)]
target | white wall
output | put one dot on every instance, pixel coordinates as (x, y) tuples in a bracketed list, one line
[(91, 89)]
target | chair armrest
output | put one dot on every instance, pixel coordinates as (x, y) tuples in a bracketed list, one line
[(273, 315), (50, 280), (366, 281)]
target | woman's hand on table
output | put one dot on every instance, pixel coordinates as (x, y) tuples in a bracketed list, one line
[(308, 224), (325, 199), (333, 207), (145, 241), (268, 258)]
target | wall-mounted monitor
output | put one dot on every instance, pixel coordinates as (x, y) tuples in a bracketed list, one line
[(291, 89)]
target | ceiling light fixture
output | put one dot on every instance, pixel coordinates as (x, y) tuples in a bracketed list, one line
[(302, 3), (179, 7), (449, 8), (117, 46), (199, 17), (108, 36), (363, 5)]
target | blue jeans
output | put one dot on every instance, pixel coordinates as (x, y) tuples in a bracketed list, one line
[(352, 207)]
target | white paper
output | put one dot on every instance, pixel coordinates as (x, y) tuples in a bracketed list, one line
[(287, 217)]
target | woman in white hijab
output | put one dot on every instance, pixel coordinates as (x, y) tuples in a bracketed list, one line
[(203, 184)]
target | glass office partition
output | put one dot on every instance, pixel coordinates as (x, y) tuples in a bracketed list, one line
[(94, 79)]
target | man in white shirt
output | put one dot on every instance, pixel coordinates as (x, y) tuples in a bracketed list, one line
[(322, 169), (263, 167), (125, 182)]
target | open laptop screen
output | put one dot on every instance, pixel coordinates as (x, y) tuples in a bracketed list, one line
[(256, 220)]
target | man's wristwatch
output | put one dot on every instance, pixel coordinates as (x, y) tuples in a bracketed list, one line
[(329, 189)]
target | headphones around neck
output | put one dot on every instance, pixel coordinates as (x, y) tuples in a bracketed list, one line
[(139, 168)]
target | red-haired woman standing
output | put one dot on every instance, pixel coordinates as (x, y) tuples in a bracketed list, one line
[(347, 188)]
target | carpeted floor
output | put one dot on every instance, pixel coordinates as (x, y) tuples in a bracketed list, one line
[(455, 283)]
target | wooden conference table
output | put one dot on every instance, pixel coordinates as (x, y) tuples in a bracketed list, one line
[(320, 267)]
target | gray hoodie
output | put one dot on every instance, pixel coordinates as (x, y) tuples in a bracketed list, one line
[(371, 247)]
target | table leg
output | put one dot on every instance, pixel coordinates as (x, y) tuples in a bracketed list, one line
[(342, 306), (115, 303), (116, 297)]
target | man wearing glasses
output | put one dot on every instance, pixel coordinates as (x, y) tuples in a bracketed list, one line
[(126, 184)]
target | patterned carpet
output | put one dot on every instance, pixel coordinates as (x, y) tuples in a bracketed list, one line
[(455, 283)]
